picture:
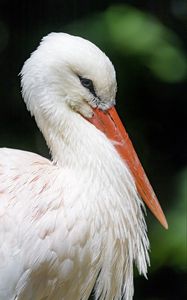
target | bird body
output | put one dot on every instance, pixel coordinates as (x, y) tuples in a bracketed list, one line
[(73, 223), (61, 228)]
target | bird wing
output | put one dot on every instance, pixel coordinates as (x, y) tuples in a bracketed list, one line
[(39, 239)]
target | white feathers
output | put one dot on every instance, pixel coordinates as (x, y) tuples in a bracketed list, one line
[(77, 221)]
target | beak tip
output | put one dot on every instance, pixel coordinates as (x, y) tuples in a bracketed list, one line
[(161, 218), (160, 215), (155, 208), (164, 223)]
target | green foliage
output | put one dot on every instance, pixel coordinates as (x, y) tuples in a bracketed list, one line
[(137, 34), (170, 248)]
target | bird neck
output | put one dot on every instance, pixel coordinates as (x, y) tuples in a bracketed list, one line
[(72, 140)]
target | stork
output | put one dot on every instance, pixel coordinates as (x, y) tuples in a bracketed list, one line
[(73, 223)]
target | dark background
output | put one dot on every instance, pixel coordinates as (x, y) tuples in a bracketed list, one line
[(147, 42)]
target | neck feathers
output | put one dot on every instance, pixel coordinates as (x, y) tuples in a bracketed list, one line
[(109, 192)]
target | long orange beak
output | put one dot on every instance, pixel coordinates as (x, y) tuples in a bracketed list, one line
[(110, 123)]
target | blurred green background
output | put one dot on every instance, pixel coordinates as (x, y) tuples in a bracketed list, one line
[(147, 43)]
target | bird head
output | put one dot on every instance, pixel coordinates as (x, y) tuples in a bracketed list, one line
[(73, 70)]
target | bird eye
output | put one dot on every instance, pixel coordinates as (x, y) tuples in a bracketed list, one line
[(87, 83)]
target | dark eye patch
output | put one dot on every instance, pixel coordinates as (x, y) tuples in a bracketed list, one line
[(88, 84)]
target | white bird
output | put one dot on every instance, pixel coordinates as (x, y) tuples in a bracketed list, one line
[(73, 223)]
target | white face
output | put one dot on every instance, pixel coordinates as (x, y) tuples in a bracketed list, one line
[(70, 68)]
